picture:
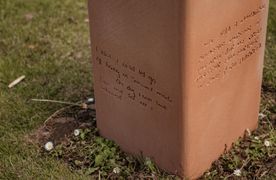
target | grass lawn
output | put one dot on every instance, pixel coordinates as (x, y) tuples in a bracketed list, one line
[(48, 42)]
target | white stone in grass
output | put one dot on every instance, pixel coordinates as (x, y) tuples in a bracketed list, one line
[(90, 100), (76, 132), (256, 138), (49, 146), (237, 172), (267, 143), (116, 170)]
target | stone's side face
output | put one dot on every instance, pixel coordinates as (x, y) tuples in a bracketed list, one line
[(135, 52), (232, 45), (224, 51), (177, 80)]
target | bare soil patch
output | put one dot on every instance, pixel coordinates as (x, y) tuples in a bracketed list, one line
[(60, 127)]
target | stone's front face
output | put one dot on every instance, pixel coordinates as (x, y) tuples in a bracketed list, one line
[(135, 49), (177, 80)]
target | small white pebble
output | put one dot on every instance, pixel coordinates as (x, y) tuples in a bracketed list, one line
[(256, 138), (267, 143), (237, 172), (49, 146), (76, 132), (262, 115), (116, 170), (90, 100)]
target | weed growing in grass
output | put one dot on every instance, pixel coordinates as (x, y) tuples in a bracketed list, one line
[(87, 153)]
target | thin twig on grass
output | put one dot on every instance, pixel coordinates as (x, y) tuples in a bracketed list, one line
[(59, 102), (17, 81), (56, 113), (70, 104)]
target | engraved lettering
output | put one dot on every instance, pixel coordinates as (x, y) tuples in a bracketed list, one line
[(233, 45)]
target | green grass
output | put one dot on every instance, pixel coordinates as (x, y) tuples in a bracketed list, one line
[(52, 50), (48, 41)]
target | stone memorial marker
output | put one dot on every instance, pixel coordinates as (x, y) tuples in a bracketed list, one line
[(177, 80)]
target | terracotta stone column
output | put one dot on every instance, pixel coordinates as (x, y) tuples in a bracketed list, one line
[(177, 80)]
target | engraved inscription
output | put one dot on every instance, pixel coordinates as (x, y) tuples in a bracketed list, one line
[(122, 80), (234, 44)]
